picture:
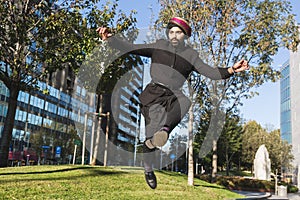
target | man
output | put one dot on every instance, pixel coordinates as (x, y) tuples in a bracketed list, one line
[(162, 102)]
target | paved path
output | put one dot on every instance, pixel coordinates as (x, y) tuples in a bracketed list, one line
[(266, 195), (253, 195)]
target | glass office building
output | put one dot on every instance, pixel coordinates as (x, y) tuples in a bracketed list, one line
[(285, 104), (289, 108), (295, 103), (53, 113), (63, 108)]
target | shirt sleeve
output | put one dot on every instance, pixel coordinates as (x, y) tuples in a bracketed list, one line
[(128, 47), (214, 73)]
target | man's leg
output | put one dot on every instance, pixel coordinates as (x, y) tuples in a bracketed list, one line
[(165, 119), (176, 109), (156, 136), (149, 158), (154, 119)]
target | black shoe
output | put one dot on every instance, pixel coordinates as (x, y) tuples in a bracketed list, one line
[(151, 179)]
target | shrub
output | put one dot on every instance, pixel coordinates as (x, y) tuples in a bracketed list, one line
[(241, 183)]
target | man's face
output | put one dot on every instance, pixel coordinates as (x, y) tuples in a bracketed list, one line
[(176, 36)]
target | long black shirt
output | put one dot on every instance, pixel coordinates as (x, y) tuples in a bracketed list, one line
[(170, 66)]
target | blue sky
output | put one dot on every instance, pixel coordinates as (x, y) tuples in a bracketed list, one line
[(264, 108)]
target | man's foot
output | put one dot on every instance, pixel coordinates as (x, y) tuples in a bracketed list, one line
[(151, 179), (159, 139)]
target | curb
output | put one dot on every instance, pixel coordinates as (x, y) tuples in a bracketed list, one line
[(263, 196)]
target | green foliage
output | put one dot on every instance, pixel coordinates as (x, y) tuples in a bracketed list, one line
[(104, 65), (41, 37), (280, 152), (226, 31), (241, 183), (230, 143)]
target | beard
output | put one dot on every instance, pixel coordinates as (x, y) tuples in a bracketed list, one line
[(175, 42)]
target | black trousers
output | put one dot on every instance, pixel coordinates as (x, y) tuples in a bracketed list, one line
[(162, 106)]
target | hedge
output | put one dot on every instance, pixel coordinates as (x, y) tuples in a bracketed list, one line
[(247, 184)]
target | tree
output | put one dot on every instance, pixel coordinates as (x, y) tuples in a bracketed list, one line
[(230, 142), (226, 31), (178, 144), (39, 37), (280, 152), (40, 139), (254, 136)]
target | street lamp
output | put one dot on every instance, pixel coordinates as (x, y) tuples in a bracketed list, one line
[(137, 133)]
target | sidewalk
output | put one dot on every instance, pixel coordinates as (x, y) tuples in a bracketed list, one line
[(265, 195), (253, 195)]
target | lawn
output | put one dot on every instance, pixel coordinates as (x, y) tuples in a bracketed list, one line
[(87, 182)]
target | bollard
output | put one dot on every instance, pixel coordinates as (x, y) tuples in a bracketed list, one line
[(282, 191)]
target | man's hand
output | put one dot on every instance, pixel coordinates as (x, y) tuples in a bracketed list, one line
[(240, 66), (104, 33)]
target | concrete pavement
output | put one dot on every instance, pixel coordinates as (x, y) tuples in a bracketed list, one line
[(253, 195), (265, 195)]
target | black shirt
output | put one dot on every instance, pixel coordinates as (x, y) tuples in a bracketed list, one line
[(170, 66)]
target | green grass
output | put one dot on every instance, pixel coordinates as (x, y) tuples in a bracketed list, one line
[(86, 182)]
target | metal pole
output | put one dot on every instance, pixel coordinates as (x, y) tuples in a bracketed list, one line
[(276, 183), (26, 121), (298, 177), (92, 141), (74, 155), (26, 128), (137, 131), (83, 139), (135, 147), (160, 158), (106, 139), (176, 166)]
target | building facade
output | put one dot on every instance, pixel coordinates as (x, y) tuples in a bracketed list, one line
[(295, 102), (285, 104), (123, 103), (58, 109), (49, 112), (290, 109)]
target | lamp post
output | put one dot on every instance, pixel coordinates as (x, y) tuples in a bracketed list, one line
[(84, 136), (25, 130), (137, 133)]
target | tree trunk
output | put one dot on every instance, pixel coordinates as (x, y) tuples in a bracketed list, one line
[(227, 163), (190, 148), (97, 142), (214, 162), (8, 126)]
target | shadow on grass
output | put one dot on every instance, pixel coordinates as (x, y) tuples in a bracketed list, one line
[(169, 173), (44, 172), (208, 185), (88, 172)]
